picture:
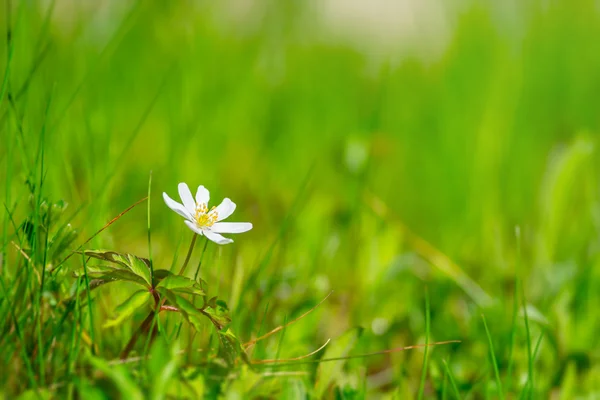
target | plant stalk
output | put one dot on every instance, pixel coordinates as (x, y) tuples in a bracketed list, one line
[(143, 328), (189, 254)]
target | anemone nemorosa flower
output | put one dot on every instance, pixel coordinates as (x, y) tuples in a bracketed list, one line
[(202, 220)]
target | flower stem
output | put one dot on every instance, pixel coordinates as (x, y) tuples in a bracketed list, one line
[(189, 254), (142, 329), (201, 258)]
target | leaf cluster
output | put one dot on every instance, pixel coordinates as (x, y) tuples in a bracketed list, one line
[(164, 291)]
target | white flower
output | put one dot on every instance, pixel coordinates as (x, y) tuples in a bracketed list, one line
[(202, 220)]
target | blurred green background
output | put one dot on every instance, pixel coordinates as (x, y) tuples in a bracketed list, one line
[(381, 149)]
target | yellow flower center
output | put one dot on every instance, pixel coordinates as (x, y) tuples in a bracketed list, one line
[(205, 218)]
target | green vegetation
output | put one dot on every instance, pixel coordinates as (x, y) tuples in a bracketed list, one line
[(402, 200)]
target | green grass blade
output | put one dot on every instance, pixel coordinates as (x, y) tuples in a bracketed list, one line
[(89, 304), (22, 344), (529, 385), (513, 334), (149, 230), (493, 357), (9, 50), (426, 351), (452, 381)]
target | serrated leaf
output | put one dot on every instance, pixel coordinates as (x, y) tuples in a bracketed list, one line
[(160, 274), (192, 291), (231, 347), (120, 275), (193, 314), (212, 302), (128, 307), (94, 283), (178, 283), (107, 255), (219, 315), (94, 269), (140, 268), (187, 309), (168, 294)]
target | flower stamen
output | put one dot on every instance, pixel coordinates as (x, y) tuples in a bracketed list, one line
[(205, 218)]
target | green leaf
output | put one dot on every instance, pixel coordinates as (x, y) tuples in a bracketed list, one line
[(219, 315), (178, 283), (107, 255), (160, 274), (139, 266), (95, 269), (120, 275), (231, 348), (194, 316), (128, 307), (187, 309), (212, 302)]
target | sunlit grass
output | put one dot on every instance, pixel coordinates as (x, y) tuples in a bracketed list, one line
[(393, 182)]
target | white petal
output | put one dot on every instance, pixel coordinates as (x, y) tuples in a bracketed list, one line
[(218, 239), (193, 227), (186, 197), (225, 209), (202, 195), (231, 227), (175, 206)]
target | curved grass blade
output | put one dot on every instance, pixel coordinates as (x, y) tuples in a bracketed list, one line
[(494, 362), (426, 352)]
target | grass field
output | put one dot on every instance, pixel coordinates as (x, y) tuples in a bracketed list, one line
[(433, 188)]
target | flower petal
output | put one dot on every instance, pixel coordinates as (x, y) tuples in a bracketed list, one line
[(186, 197), (225, 209), (202, 195), (175, 206), (231, 227), (218, 239), (193, 227)]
